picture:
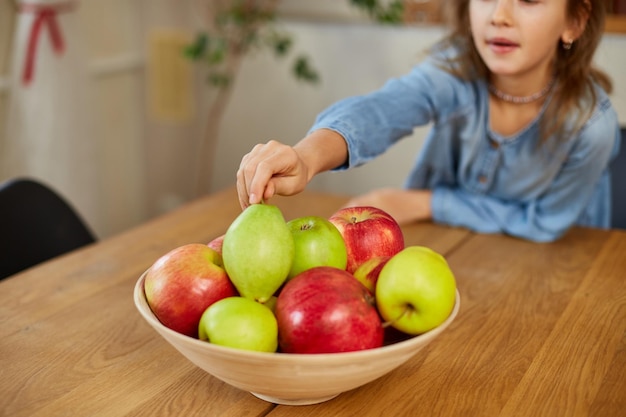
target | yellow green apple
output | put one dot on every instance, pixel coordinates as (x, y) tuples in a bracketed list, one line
[(416, 290), (239, 323), (367, 273)]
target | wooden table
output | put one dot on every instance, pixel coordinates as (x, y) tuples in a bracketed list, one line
[(541, 331)]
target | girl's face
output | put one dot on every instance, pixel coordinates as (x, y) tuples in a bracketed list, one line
[(519, 37)]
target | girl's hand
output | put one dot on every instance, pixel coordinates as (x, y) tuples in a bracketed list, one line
[(270, 168), (274, 168), (405, 206)]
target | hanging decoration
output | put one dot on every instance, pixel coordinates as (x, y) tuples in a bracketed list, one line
[(51, 131), (45, 18)]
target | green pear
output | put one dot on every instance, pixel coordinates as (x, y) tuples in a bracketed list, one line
[(258, 251)]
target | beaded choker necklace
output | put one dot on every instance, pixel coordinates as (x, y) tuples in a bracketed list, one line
[(521, 100)]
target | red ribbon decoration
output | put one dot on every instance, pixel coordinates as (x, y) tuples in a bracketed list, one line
[(46, 16)]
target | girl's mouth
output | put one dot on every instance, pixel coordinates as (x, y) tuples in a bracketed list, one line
[(501, 45)]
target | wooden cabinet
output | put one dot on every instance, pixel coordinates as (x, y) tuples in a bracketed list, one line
[(416, 12), (422, 12), (615, 23), (429, 12), (616, 19)]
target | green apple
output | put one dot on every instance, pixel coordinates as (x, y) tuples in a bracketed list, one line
[(317, 243), (367, 273), (416, 290), (216, 244), (240, 323), (271, 303)]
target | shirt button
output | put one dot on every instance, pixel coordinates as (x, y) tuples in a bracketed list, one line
[(482, 179), (494, 144)]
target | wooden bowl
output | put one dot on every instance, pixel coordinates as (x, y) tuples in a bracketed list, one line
[(291, 379)]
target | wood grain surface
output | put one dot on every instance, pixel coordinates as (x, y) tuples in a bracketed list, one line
[(541, 331)]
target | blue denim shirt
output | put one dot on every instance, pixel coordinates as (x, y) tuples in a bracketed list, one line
[(481, 180)]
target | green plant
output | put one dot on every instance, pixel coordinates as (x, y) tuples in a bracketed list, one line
[(390, 12), (234, 29), (239, 27)]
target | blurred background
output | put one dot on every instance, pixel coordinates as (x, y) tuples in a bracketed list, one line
[(98, 100)]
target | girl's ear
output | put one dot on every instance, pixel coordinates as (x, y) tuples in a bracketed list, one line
[(576, 24)]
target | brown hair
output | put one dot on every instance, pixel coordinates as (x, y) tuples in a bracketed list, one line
[(574, 68)]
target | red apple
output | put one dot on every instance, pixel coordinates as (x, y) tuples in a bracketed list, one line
[(183, 283), (325, 310), (367, 273), (368, 232), (216, 244)]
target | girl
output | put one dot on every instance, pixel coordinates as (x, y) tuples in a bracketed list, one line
[(522, 128)]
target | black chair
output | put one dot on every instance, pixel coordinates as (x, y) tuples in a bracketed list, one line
[(618, 186), (36, 224)]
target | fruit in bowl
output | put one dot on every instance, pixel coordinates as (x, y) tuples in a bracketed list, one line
[(415, 290), (317, 243), (368, 232), (326, 310), (367, 273), (287, 378), (183, 283), (304, 338), (240, 323), (258, 251)]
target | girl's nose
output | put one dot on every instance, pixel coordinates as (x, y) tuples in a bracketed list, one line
[(502, 12)]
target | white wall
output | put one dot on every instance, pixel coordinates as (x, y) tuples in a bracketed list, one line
[(146, 162), (143, 161), (353, 59)]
